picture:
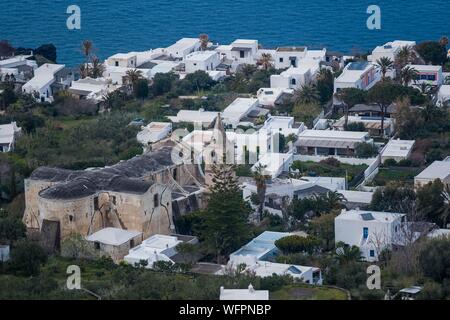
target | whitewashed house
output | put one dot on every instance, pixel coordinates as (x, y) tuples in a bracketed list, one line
[(370, 231), (92, 89), (41, 86), (360, 75), (256, 254), (124, 60), (270, 97), (330, 142), (390, 50), (183, 47), (240, 51), (397, 150), (296, 77), (286, 57), (201, 60), (114, 242), (436, 170), (158, 248), (8, 135), (371, 124), (243, 294), (238, 110), (153, 132), (427, 74), (202, 117), (283, 125)]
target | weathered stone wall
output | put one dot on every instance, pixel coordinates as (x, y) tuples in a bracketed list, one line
[(32, 189)]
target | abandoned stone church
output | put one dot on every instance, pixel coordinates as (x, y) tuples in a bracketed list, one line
[(145, 194)]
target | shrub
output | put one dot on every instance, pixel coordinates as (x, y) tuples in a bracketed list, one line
[(390, 163), (405, 163), (366, 150), (293, 244)]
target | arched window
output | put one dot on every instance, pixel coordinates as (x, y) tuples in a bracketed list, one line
[(293, 82)]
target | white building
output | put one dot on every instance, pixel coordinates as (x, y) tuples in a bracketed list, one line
[(397, 150), (18, 66), (443, 96), (274, 163), (256, 253), (283, 125), (92, 89), (157, 248), (270, 97), (154, 132), (201, 60), (330, 142), (243, 294), (286, 57), (238, 110), (115, 242), (428, 74), (183, 47), (296, 77), (436, 170), (8, 135), (124, 60), (117, 74), (165, 67), (390, 50), (205, 118), (41, 85), (361, 75), (370, 231), (240, 51)]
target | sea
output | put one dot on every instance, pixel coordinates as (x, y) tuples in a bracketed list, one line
[(122, 26)]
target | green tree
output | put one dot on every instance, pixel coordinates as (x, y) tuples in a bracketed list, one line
[(295, 244), (383, 94), (322, 228), (365, 150), (432, 52), (307, 94), (431, 202), (225, 226), (385, 64), (346, 254), (163, 82), (325, 85), (408, 74), (141, 89), (351, 97), (27, 258), (306, 113), (393, 198), (200, 80), (434, 259), (11, 228)]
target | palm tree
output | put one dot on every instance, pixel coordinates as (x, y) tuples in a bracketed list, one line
[(265, 61), (86, 48), (334, 200), (404, 56), (261, 186), (132, 77), (204, 40), (407, 75), (346, 253), (385, 64), (445, 211), (307, 94), (97, 68)]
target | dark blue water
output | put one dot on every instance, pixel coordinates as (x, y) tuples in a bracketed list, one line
[(121, 26)]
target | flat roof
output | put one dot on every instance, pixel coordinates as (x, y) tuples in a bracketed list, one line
[(291, 49), (113, 236), (195, 116), (200, 55), (123, 55), (436, 170), (365, 215), (353, 71), (398, 148), (425, 67), (333, 134), (357, 196)]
